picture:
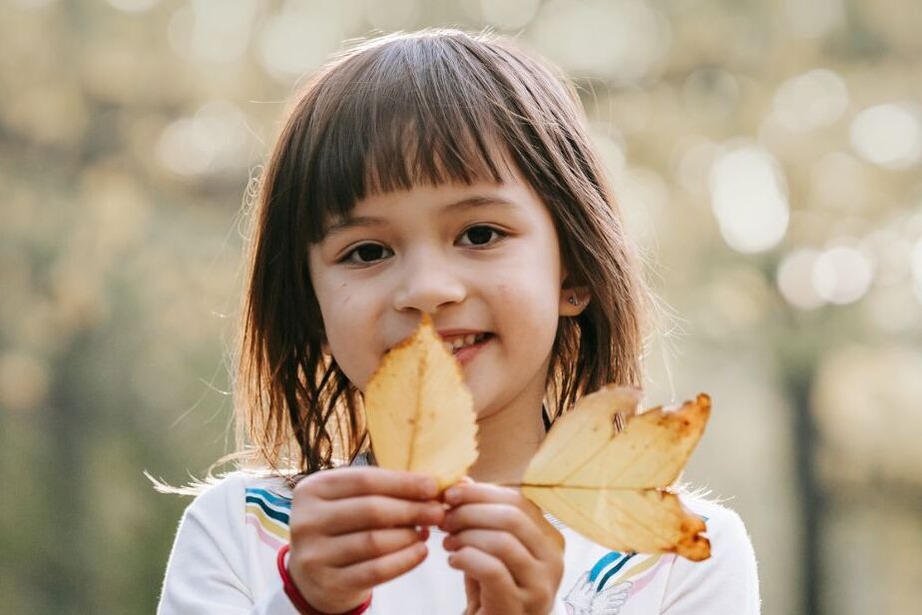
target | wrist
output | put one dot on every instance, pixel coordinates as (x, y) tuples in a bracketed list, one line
[(297, 598)]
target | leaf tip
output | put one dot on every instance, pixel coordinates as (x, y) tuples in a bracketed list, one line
[(703, 402)]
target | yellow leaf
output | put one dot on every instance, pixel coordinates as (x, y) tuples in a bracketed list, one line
[(420, 416), (611, 486)]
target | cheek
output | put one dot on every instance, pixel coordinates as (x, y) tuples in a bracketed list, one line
[(349, 327), (336, 299)]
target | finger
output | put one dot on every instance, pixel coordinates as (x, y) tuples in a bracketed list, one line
[(349, 482), (358, 547), (526, 570), (504, 517), (498, 590), (460, 494), (470, 493), (371, 512), (472, 592), (383, 569)]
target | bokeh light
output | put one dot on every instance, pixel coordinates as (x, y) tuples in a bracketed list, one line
[(812, 100), (795, 279), (748, 197), (618, 40), (213, 139), (300, 36), (889, 135), (842, 275), (213, 31)]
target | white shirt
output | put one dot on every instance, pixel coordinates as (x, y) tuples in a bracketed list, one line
[(224, 561)]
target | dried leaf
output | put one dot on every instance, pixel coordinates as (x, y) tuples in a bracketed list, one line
[(420, 415), (611, 486)]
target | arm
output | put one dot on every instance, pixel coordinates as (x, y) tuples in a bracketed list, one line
[(725, 583)]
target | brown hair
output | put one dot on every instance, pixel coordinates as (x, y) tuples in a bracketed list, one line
[(425, 108)]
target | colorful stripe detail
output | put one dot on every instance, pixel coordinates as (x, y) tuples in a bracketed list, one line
[(615, 570), (656, 563), (268, 514)]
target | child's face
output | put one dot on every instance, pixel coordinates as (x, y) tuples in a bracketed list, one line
[(482, 260)]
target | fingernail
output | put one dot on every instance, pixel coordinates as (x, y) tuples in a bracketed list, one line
[(451, 495)]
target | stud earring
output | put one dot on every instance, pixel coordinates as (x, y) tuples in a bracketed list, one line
[(573, 300)]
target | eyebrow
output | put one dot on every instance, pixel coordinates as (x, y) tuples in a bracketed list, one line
[(475, 201)]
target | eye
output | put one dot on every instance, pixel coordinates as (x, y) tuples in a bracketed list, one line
[(480, 235), (366, 254)]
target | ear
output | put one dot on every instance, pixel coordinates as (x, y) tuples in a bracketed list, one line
[(573, 300)]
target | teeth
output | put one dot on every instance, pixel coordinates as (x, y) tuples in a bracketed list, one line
[(465, 340)]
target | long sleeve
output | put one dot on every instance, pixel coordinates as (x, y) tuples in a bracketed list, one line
[(727, 582), (208, 571)]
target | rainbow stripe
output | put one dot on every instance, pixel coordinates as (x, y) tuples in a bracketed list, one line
[(267, 513)]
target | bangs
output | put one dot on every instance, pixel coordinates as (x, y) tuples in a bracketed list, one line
[(418, 112)]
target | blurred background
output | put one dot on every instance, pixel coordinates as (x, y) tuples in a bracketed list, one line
[(768, 157)]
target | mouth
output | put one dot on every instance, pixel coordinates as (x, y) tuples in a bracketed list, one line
[(456, 343)]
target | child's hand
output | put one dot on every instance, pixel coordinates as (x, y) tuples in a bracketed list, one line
[(354, 528), (511, 556)]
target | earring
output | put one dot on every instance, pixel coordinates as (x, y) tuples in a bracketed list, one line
[(573, 300)]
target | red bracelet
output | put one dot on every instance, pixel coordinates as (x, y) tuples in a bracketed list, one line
[(294, 594)]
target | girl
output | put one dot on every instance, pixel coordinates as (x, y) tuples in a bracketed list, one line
[(452, 175)]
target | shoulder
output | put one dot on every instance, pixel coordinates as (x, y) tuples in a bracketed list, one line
[(231, 518), (724, 526), (223, 554), (226, 497), (728, 580)]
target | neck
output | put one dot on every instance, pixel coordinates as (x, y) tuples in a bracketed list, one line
[(507, 441)]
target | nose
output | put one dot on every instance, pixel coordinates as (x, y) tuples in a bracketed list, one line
[(428, 283)]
